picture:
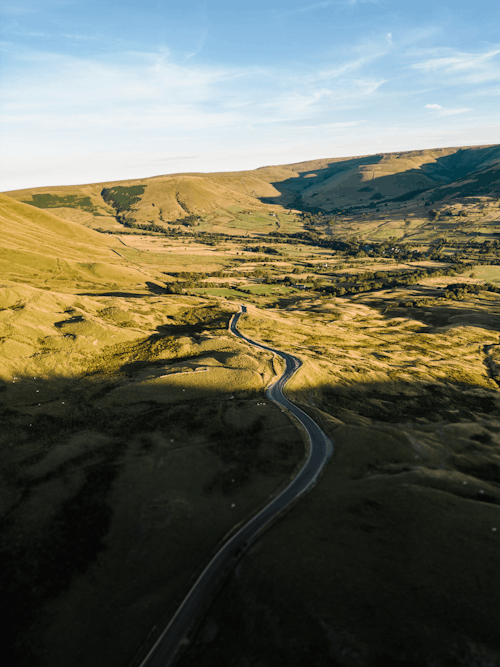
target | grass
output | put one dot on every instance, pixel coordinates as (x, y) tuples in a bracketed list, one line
[(407, 511), (129, 413), (218, 291), (383, 545), (270, 290), (488, 274), (160, 481)]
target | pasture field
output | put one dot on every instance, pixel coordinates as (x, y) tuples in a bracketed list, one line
[(487, 274)]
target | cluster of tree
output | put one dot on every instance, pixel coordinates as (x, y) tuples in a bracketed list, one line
[(145, 226), (122, 198), (132, 227), (188, 221), (198, 275), (313, 281), (460, 291), (311, 219), (194, 280), (366, 283), (425, 302), (354, 247), (490, 245), (444, 213), (263, 249)]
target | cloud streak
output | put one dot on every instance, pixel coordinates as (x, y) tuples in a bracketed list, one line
[(170, 102), (469, 68), (443, 111), (327, 3), (150, 92)]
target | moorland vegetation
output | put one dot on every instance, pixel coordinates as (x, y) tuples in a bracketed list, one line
[(136, 432)]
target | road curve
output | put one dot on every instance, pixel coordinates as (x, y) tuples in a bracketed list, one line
[(320, 449)]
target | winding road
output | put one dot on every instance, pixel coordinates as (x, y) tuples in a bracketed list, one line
[(320, 449)]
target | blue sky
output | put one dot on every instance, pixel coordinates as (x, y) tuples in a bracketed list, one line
[(95, 91)]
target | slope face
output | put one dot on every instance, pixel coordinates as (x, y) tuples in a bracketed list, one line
[(323, 185), (26, 227), (333, 184), (161, 199), (39, 246)]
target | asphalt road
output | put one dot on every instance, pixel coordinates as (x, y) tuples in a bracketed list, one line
[(174, 636)]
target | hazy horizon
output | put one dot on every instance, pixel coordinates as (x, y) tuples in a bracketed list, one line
[(107, 91)]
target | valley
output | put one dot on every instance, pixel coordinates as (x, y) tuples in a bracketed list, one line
[(137, 433)]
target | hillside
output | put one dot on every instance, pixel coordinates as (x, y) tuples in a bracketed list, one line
[(427, 174), (389, 180), (39, 248), (136, 432)]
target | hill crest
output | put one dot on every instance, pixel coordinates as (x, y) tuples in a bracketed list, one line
[(324, 185)]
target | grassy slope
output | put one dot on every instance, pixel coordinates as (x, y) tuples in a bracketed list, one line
[(340, 183), (40, 247), (326, 183), (391, 560), (119, 415), (108, 512), (399, 382)]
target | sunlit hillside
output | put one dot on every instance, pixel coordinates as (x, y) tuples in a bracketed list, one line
[(386, 181), (136, 431), (37, 246)]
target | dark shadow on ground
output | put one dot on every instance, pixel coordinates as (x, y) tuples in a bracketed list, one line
[(432, 177), (123, 295), (387, 561), (71, 320), (40, 565), (292, 188), (62, 454), (429, 307), (394, 403), (153, 289)]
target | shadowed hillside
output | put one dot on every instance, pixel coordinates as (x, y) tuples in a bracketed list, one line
[(391, 560), (331, 184)]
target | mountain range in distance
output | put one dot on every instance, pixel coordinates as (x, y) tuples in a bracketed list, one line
[(385, 181)]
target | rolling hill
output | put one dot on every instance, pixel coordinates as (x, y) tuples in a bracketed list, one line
[(355, 183), (39, 247), (136, 432)]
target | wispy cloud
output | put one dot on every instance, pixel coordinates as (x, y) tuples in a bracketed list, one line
[(324, 127), (153, 92), (200, 43), (467, 67), (323, 5), (47, 35), (307, 8), (443, 111)]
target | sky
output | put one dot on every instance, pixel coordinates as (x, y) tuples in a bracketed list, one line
[(103, 90)]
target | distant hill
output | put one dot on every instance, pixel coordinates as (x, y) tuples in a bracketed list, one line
[(328, 185), (428, 174)]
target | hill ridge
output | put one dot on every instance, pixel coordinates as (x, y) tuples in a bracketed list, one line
[(324, 185)]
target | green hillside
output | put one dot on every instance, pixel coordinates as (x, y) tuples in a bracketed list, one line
[(136, 431), (389, 182)]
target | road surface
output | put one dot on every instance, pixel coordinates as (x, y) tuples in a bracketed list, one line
[(320, 449)]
